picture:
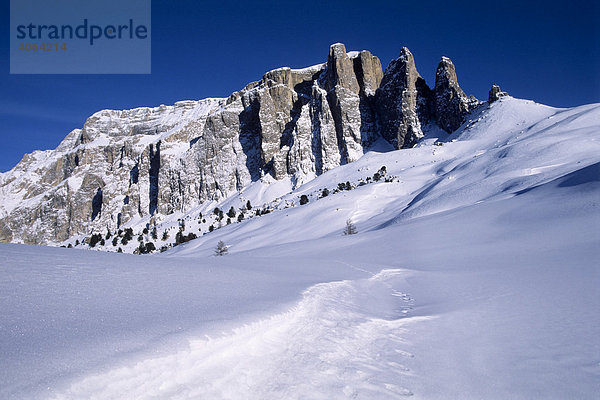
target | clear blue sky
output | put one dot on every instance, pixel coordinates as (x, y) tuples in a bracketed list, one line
[(548, 51)]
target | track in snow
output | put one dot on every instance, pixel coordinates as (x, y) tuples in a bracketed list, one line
[(342, 339)]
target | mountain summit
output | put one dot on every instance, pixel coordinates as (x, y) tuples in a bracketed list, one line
[(146, 163)]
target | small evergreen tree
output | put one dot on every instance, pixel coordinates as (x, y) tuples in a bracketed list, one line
[(325, 192), (154, 234), (95, 239), (150, 247), (128, 234), (120, 250), (350, 228), (348, 186), (115, 240), (221, 248), (240, 217), (248, 205), (231, 213), (211, 228), (303, 199), (190, 236)]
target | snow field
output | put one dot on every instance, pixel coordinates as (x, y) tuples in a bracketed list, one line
[(473, 275), (343, 339)]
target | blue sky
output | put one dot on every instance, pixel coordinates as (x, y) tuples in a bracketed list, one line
[(548, 51)]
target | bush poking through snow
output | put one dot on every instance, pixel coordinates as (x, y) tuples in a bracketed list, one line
[(350, 228), (221, 248), (95, 239), (303, 200)]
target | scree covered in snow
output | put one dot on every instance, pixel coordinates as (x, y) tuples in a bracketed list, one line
[(474, 275)]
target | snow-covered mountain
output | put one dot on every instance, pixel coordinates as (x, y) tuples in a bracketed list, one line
[(473, 275), (146, 168)]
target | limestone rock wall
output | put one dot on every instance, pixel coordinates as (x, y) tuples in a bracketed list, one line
[(145, 163)]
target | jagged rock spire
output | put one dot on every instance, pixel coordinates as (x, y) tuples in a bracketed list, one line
[(350, 81), (368, 72), (450, 102), (340, 69), (401, 100), (495, 93)]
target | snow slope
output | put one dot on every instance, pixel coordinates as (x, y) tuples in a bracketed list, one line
[(474, 275)]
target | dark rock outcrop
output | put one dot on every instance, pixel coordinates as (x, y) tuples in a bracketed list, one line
[(451, 104), (402, 102), (495, 93)]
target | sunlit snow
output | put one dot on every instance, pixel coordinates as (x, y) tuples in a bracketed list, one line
[(474, 275)]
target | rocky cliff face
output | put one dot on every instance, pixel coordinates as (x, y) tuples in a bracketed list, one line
[(450, 102), (146, 163), (403, 102)]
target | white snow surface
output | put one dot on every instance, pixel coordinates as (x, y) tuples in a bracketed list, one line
[(474, 275)]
